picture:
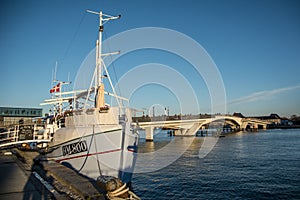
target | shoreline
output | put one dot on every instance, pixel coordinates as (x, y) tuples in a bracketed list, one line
[(285, 127)]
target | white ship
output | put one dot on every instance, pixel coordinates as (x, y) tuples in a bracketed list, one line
[(88, 135)]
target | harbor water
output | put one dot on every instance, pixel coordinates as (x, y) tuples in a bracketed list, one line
[(244, 165)]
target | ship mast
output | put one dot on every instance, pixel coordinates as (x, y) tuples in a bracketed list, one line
[(99, 86)]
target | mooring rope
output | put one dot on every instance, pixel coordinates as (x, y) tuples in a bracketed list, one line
[(87, 154), (114, 195), (98, 161)]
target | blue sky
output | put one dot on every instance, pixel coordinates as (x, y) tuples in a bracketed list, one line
[(254, 44)]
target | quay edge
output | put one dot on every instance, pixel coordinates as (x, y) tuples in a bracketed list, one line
[(71, 184)]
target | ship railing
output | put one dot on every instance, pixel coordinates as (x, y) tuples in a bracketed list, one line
[(93, 116), (15, 135)]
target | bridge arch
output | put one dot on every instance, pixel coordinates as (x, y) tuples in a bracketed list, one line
[(234, 122)]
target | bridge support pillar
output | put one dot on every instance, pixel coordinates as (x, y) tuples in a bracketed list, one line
[(264, 126), (180, 132), (149, 133)]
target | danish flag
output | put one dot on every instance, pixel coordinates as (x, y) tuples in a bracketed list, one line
[(55, 88)]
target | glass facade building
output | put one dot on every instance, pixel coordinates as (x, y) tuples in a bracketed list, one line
[(11, 115)]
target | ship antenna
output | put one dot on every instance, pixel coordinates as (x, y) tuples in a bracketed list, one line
[(55, 71)]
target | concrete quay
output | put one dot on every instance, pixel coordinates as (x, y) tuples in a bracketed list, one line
[(28, 175)]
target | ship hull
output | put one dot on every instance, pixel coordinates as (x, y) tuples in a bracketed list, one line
[(92, 152)]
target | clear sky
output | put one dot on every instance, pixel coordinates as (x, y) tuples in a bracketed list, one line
[(255, 45)]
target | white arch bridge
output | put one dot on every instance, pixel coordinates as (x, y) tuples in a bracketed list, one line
[(191, 126)]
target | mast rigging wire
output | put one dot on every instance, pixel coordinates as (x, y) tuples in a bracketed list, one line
[(73, 38), (114, 68)]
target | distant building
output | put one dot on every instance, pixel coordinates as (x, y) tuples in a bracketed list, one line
[(273, 118), (238, 115), (11, 115)]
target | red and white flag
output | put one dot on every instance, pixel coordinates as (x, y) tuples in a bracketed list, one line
[(55, 88)]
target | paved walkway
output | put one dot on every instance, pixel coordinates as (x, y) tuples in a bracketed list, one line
[(15, 182)]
